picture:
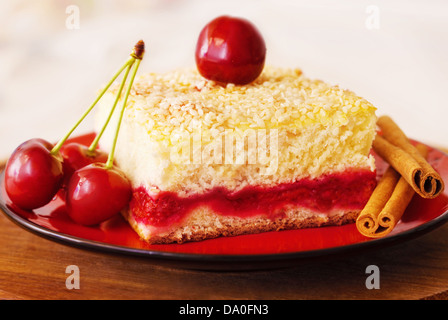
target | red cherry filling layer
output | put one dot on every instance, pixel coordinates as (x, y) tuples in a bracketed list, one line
[(346, 190)]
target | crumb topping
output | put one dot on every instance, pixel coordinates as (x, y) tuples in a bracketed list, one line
[(280, 97)]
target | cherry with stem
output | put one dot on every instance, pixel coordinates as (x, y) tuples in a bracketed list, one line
[(99, 191), (76, 155)]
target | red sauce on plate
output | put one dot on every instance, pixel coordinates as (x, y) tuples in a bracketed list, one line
[(118, 235)]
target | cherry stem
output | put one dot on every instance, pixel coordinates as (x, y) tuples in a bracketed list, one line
[(110, 159), (117, 98), (136, 54), (58, 146)]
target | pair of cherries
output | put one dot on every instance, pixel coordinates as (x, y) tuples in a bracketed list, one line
[(94, 193), (94, 188)]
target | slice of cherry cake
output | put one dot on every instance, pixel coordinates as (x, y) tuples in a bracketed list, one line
[(209, 160)]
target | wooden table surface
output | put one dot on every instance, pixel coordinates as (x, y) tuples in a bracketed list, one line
[(32, 267)]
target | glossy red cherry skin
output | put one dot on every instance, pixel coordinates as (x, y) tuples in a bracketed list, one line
[(77, 156), (95, 194), (33, 175), (230, 50)]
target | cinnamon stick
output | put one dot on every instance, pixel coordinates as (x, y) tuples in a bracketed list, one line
[(388, 202), (367, 221), (400, 160), (425, 180)]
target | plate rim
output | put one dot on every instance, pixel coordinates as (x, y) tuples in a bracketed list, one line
[(79, 242)]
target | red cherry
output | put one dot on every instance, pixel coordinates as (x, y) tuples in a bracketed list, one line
[(77, 156), (96, 193), (231, 50), (33, 175)]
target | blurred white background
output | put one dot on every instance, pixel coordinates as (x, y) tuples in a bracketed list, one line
[(393, 53)]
